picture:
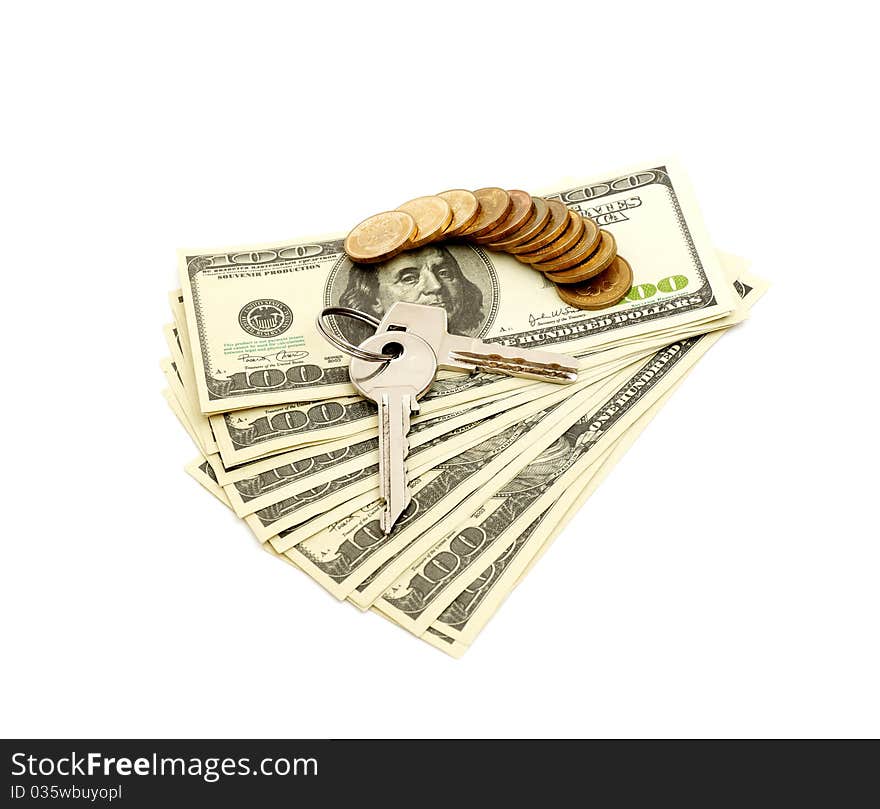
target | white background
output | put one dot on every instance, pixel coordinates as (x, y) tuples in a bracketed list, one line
[(724, 579)]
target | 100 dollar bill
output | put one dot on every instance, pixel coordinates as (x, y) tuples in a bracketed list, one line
[(476, 598), (251, 311), (453, 554)]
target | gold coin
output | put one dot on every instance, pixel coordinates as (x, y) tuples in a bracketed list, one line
[(533, 226), (602, 290), (494, 206), (580, 251), (465, 207), (432, 215), (569, 238), (519, 213), (598, 257), (558, 222), (380, 237)]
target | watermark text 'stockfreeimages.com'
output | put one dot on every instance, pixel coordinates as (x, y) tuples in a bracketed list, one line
[(210, 769)]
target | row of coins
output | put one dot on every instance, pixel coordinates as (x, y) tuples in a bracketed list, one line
[(569, 249)]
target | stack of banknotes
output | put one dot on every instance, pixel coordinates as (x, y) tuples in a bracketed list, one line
[(497, 465)]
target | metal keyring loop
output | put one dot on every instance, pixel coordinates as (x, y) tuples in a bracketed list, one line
[(344, 345)]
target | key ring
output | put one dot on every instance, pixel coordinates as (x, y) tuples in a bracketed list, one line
[(344, 345)]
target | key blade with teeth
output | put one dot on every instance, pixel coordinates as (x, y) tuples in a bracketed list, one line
[(395, 407), (458, 353), (514, 364)]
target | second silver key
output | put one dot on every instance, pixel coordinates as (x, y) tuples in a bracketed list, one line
[(456, 352), (395, 386)]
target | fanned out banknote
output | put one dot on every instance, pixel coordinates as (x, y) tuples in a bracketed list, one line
[(250, 311), (498, 466)]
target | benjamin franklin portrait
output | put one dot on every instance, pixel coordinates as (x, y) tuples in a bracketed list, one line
[(452, 276)]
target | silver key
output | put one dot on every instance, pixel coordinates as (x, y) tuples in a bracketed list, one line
[(395, 386), (457, 353)]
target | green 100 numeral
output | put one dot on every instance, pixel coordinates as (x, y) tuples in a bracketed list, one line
[(673, 283)]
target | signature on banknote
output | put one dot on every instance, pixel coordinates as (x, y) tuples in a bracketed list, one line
[(281, 358), (553, 316)]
